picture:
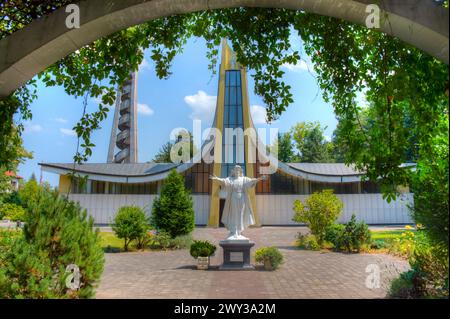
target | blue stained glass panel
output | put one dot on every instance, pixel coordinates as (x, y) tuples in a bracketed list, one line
[(232, 119), (232, 78), (232, 100), (239, 96), (240, 121), (226, 115)]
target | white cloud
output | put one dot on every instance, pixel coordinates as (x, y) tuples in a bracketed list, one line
[(68, 132), (299, 67), (61, 120), (327, 138), (145, 65), (144, 109), (202, 105), (32, 128), (258, 114)]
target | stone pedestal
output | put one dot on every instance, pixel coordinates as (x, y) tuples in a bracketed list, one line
[(236, 254)]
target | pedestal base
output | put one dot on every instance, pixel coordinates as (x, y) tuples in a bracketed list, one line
[(236, 254)]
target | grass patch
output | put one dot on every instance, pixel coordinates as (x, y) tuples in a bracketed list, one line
[(397, 242), (387, 234), (110, 242)]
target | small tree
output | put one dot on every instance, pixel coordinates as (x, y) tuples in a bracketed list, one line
[(57, 245), (320, 210), (351, 236), (173, 210), (130, 224)]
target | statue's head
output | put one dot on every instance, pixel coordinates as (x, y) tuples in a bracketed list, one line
[(237, 171)]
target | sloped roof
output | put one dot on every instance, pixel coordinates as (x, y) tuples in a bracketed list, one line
[(145, 172), (148, 172), (328, 169), (114, 169), (12, 174)]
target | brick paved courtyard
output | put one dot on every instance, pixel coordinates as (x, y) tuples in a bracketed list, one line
[(304, 274)]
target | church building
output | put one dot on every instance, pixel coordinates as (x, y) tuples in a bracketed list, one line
[(122, 181)]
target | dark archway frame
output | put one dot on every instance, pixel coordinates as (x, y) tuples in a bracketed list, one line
[(43, 42)]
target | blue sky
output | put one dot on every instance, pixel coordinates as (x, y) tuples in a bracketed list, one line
[(189, 93)]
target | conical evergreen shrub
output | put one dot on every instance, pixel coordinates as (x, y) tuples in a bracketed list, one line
[(173, 210)]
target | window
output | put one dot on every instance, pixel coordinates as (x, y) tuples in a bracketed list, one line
[(197, 178), (78, 186), (100, 187), (233, 118), (97, 187), (338, 188)]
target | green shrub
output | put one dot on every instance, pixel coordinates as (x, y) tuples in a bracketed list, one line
[(379, 244), (429, 274), (358, 234), (202, 248), (7, 237), (430, 186), (269, 254), (351, 236), (12, 212), (173, 210), (5, 184), (162, 240), (320, 210), (403, 246), (430, 262), (334, 234), (144, 240), (57, 234), (181, 242), (12, 198), (27, 273), (307, 242), (130, 224), (403, 286), (29, 193)]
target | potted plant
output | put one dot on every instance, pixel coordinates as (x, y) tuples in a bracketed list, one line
[(202, 250), (270, 257)]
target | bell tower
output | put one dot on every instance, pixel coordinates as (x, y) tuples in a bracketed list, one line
[(123, 146)]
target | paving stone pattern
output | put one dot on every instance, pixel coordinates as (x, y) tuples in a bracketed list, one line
[(304, 274)]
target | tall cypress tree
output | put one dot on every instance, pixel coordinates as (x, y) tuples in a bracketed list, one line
[(173, 210)]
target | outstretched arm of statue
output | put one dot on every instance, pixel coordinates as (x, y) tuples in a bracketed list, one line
[(253, 181), (215, 178), (262, 178)]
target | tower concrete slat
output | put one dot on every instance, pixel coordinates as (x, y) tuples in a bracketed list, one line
[(123, 146)]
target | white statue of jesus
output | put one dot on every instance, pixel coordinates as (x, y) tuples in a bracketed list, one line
[(237, 212)]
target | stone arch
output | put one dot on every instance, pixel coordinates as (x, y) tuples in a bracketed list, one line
[(45, 41)]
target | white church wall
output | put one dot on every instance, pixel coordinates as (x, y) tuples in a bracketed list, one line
[(272, 209), (103, 207), (371, 208), (201, 209)]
